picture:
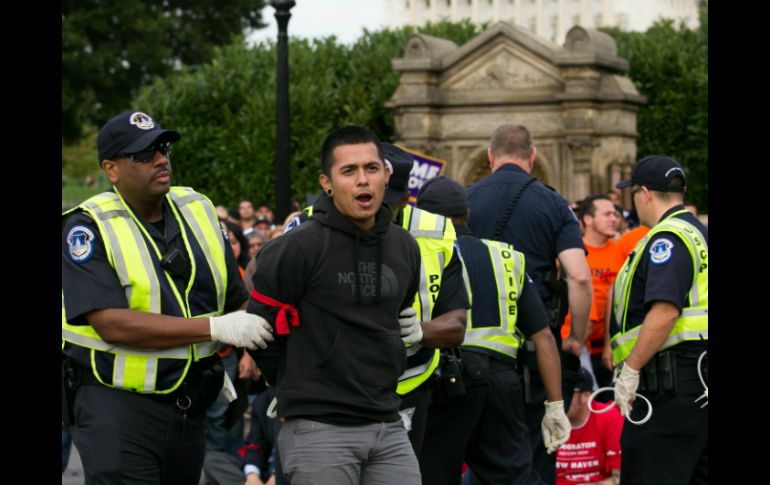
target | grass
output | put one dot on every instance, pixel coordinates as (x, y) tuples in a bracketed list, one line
[(73, 193)]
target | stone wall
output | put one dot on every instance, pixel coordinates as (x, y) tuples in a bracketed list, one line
[(575, 100)]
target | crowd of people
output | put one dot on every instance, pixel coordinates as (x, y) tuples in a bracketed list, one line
[(465, 339)]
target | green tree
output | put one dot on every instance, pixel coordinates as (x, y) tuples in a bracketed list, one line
[(225, 109), (669, 65), (110, 49)]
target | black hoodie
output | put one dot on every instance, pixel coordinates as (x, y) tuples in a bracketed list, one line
[(341, 364)]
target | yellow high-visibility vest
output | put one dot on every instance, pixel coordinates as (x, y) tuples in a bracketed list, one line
[(435, 235), (508, 267), (693, 323), (134, 256)]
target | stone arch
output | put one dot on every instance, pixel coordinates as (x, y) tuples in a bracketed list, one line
[(476, 167), (576, 98)]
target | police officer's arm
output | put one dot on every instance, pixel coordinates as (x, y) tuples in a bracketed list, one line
[(446, 330), (655, 330), (148, 330), (667, 285), (533, 323), (450, 314), (94, 295), (548, 363), (580, 294)]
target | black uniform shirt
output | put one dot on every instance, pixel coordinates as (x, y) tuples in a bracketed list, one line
[(541, 225), (93, 284), (664, 274)]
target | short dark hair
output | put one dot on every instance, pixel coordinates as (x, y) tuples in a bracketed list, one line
[(347, 135), (587, 206), (510, 139)]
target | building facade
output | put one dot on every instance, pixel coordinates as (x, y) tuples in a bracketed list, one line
[(550, 19)]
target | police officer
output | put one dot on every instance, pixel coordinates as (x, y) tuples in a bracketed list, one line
[(149, 286), (438, 317), (511, 206), (659, 330), (486, 427)]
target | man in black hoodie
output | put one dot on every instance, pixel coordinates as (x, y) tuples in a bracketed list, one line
[(333, 289)]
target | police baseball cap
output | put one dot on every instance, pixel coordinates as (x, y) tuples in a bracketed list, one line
[(400, 164), (130, 132), (442, 195), (584, 381), (655, 172)]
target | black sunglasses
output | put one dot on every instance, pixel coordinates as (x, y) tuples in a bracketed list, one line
[(148, 154)]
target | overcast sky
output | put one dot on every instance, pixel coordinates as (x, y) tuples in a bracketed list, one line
[(320, 18)]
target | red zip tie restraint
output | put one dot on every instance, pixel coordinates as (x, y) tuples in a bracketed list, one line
[(281, 320)]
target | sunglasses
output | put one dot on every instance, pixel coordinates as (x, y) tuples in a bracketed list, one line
[(148, 154)]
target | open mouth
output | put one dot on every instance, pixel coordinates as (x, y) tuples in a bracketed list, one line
[(365, 200)]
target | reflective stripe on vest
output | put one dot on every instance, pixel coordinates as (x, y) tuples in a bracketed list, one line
[(692, 324), (130, 256), (508, 268), (435, 236)]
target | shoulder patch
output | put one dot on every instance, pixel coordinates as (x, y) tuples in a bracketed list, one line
[(661, 250), (294, 223), (80, 241)]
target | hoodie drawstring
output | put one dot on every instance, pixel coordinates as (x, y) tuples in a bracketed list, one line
[(378, 273), (355, 268)]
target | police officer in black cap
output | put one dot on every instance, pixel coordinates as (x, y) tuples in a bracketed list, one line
[(437, 318), (486, 428), (659, 329), (149, 289)]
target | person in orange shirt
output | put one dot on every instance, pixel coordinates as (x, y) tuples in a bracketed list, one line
[(600, 221), (629, 239)]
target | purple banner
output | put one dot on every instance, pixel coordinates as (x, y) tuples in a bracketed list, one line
[(425, 167)]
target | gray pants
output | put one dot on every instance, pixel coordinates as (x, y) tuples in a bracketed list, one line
[(372, 454)]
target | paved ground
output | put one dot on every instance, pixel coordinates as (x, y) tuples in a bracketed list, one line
[(73, 475)]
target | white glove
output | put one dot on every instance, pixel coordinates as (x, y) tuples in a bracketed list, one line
[(626, 384), (411, 331), (241, 329), (555, 426)]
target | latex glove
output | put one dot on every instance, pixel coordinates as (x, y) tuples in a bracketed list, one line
[(625, 388), (411, 331), (241, 329), (555, 426)]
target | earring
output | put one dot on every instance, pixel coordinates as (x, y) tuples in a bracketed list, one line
[(329, 191)]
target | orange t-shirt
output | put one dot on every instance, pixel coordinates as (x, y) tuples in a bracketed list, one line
[(604, 263), (628, 241)]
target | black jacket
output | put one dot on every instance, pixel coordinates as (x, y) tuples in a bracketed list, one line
[(341, 364)]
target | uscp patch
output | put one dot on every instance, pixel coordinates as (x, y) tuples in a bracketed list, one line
[(660, 251), (80, 240)]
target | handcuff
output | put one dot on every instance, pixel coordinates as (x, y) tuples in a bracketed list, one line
[(613, 404), (705, 396)]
